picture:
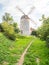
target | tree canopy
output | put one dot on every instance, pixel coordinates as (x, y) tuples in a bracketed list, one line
[(43, 31), (7, 17)]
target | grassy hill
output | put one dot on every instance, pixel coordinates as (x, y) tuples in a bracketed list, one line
[(10, 51), (37, 54)]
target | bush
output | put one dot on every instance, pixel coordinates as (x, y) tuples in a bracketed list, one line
[(34, 33), (47, 41), (1, 29), (16, 29), (10, 36), (8, 30)]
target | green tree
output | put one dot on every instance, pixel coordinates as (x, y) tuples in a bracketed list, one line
[(8, 30), (7, 18), (43, 31), (16, 29)]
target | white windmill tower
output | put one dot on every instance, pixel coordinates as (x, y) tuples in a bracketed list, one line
[(25, 21)]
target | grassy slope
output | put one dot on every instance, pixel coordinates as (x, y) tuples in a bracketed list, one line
[(39, 50), (10, 51)]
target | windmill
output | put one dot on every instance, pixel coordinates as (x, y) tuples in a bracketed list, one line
[(25, 20)]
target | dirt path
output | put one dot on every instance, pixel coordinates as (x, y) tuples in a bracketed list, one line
[(20, 62)]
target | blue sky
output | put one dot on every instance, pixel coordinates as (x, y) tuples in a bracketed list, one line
[(41, 7)]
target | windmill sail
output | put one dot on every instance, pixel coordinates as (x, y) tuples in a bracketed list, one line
[(20, 10), (31, 10)]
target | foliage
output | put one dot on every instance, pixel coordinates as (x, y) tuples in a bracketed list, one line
[(43, 31), (8, 27), (38, 50), (47, 41), (1, 29), (8, 30), (34, 33), (7, 18), (16, 29)]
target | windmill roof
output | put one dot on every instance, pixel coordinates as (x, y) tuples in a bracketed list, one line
[(25, 16)]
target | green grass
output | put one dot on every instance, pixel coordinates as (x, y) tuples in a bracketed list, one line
[(10, 51), (38, 50)]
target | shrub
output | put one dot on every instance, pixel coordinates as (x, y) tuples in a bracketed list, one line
[(47, 41), (16, 29), (34, 33), (1, 29), (8, 30)]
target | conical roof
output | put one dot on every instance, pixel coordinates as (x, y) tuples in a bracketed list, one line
[(25, 16)]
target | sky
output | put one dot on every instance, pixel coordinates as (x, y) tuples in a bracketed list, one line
[(41, 7)]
